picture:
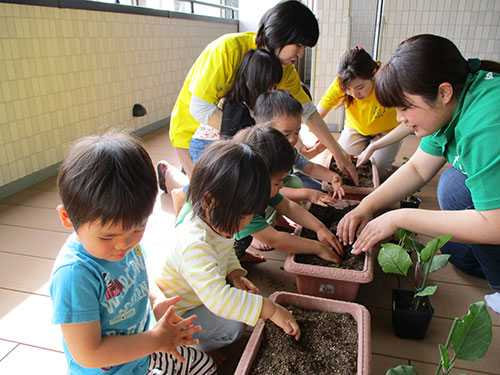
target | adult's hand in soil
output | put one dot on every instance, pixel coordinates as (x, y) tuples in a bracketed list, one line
[(375, 231), (352, 224), (364, 156), (345, 164), (285, 320), (320, 198)]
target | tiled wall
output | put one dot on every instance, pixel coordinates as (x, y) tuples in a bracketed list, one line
[(66, 73), (472, 25)]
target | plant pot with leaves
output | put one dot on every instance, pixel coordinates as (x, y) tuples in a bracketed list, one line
[(410, 201), (335, 339), (369, 179), (411, 309), (469, 338)]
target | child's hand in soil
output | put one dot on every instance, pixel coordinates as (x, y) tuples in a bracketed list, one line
[(244, 284), (285, 320), (327, 253), (328, 238), (338, 190), (170, 335), (320, 198)]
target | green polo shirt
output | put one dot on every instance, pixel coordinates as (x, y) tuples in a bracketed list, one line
[(471, 142), (258, 222)]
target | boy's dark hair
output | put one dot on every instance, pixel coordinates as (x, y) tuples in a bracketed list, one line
[(355, 63), (108, 178), (288, 22), (259, 71), (419, 65), (275, 149), (276, 103), (229, 180)]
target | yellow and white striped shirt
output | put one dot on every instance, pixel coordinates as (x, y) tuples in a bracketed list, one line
[(195, 268)]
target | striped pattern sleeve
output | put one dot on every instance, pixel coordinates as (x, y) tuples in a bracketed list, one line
[(199, 265)]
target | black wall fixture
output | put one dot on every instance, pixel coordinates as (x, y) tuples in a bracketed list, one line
[(138, 110)]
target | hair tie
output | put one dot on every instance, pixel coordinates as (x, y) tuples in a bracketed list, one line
[(474, 65), (358, 47)]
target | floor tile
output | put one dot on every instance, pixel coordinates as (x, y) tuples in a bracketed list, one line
[(31, 360), (49, 184), (25, 318), (35, 198), (31, 217), (28, 241), (270, 276), (24, 273)]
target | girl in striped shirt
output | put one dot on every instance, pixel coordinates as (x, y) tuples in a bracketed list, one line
[(230, 183)]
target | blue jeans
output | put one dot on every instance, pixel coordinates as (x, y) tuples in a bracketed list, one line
[(216, 331), (479, 260), (197, 146), (309, 182)]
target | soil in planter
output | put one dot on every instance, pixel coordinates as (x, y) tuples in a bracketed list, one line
[(407, 302), (365, 174), (331, 216), (328, 346)]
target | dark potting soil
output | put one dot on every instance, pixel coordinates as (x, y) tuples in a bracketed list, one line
[(407, 302), (365, 174), (328, 346), (331, 216)]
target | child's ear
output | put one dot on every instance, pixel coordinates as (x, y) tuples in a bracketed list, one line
[(63, 215)]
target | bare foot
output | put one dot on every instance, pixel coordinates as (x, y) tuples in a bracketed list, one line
[(260, 245), (252, 257), (178, 199), (218, 357)]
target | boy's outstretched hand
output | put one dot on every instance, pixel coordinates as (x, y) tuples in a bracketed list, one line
[(170, 335), (320, 198), (328, 238), (285, 320)]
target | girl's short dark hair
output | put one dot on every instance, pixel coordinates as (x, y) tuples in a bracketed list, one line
[(231, 179), (276, 103), (275, 149), (108, 178), (288, 22), (418, 66), (259, 71), (355, 63)]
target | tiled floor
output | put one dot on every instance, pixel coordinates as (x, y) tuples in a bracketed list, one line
[(30, 237)]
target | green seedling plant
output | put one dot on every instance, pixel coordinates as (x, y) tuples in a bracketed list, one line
[(395, 258), (469, 338)]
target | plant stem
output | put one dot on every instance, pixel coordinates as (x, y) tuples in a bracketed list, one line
[(426, 274), (447, 345)]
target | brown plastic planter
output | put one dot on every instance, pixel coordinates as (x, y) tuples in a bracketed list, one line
[(358, 312), (355, 192), (329, 282)]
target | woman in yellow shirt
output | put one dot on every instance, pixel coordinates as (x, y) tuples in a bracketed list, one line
[(286, 29), (367, 121)]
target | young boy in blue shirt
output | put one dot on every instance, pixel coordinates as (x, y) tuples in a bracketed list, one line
[(99, 285)]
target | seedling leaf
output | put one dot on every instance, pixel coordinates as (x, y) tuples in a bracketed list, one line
[(428, 291), (473, 334), (394, 259), (402, 370), (434, 246)]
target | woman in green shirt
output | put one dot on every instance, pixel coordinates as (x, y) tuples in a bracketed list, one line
[(452, 103)]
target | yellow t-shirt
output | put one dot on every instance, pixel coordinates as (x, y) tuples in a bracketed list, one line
[(212, 75), (366, 116)]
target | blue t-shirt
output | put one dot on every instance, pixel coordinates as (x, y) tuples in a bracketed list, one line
[(84, 288), (300, 160)]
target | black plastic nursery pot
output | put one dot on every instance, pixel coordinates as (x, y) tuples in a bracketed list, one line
[(411, 202), (410, 323)]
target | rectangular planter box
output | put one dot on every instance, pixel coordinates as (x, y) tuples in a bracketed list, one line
[(329, 282), (355, 192), (358, 312)]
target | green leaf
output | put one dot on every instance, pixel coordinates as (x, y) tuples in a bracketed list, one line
[(473, 334), (402, 233), (434, 246), (428, 291), (445, 357), (394, 259), (402, 370), (412, 243), (440, 261)]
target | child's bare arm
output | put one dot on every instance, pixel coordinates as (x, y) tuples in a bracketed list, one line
[(281, 317), (310, 195), (92, 350), (324, 174), (296, 245)]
